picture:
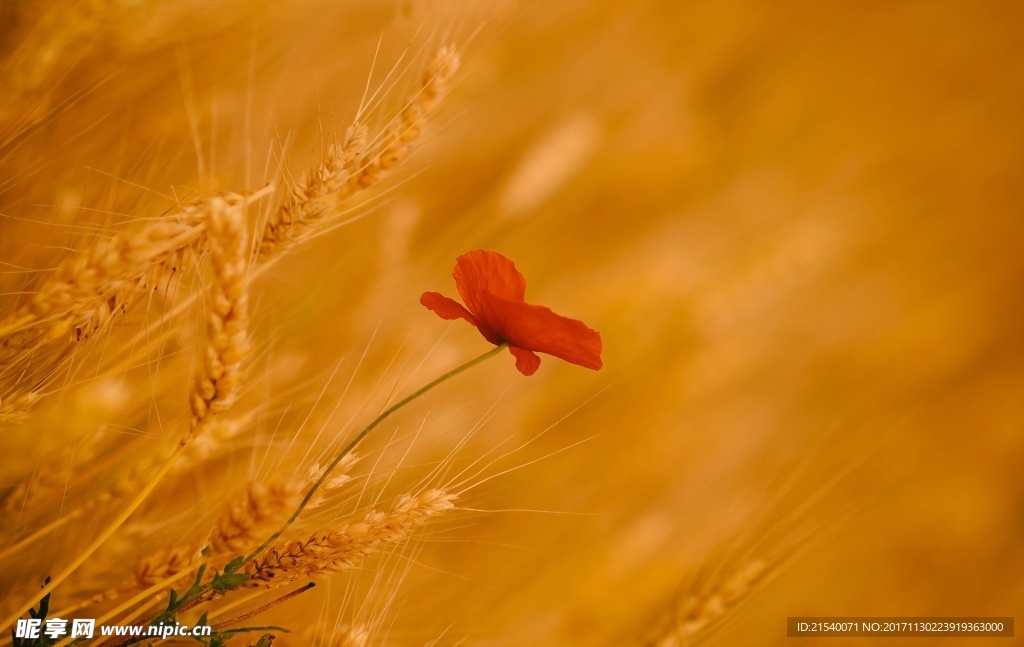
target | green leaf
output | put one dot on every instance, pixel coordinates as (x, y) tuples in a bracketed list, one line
[(44, 604), (228, 581), (234, 564), (202, 622), (265, 640), (44, 609), (200, 573)]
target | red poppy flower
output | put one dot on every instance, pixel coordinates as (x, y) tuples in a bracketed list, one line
[(494, 291)]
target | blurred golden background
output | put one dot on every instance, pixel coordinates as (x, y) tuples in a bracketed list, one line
[(798, 227)]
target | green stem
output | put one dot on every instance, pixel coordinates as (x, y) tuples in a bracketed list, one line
[(362, 434)]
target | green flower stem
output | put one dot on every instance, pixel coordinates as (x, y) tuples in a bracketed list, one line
[(362, 434)]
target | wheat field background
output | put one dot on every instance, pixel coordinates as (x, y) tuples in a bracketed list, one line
[(798, 226)]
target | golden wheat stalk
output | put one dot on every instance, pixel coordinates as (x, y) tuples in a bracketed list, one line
[(307, 205), (227, 320), (84, 295), (406, 128), (252, 516), (88, 291), (351, 166), (99, 279), (332, 551)]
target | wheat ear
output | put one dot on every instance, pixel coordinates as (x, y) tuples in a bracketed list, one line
[(332, 551), (227, 321), (406, 128), (83, 296), (99, 278), (352, 166), (89, 290), (307, 205), (262, 508)]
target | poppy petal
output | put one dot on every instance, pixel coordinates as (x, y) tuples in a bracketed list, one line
[(538, 329), (526, 361), (446, 308), (451, 309), (485, 272)]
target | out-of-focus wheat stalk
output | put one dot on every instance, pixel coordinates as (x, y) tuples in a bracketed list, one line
[(165, 563), (696, 611), (43, 489)]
